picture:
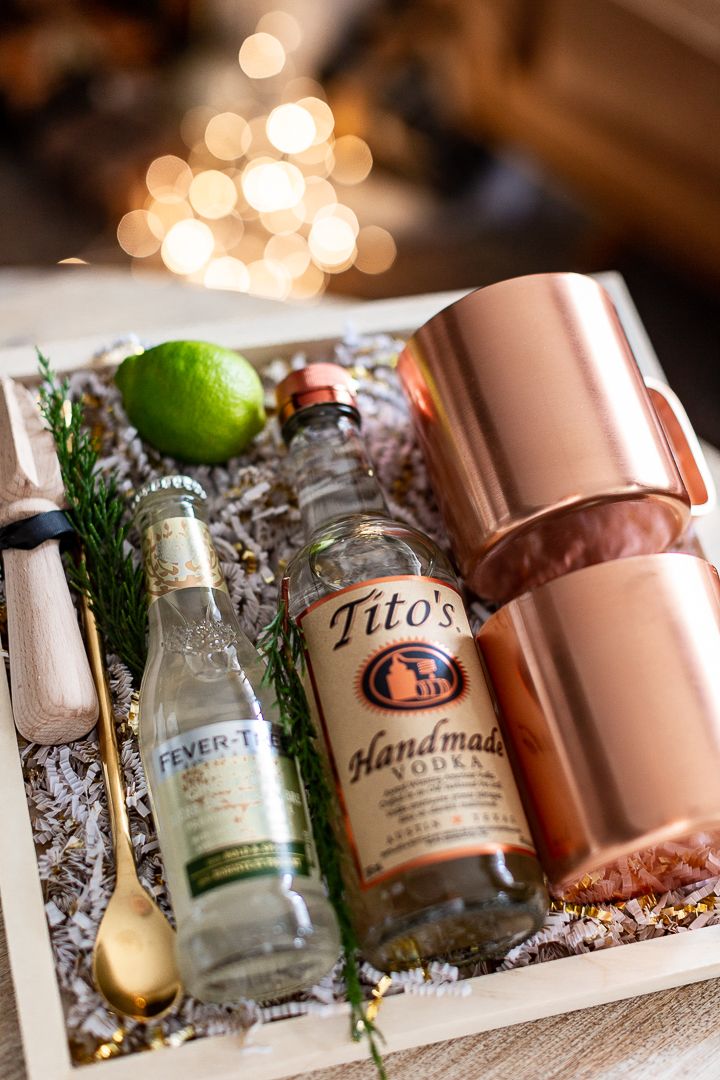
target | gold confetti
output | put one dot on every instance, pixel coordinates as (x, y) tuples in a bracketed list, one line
[(67, 418), (250, 560), (671, 915), (177, 1038), (133, 716), (156, 1040), (107, 1050), (378, 993), (96, 434), (604, 915)]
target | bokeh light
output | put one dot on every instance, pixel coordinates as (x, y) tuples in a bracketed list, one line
[(281, 222), (227, 136), (261, 56), (228, 233), (291, 128), (291, 251), (140, 233), (352, 160), (317, 160), (227, 273), (301, 87), (272, 185), (331, 241), (269, 279), (251, 247), (283, 26), (212, 194), (260, 145), (168, 214), (255, 207), (322, 114), (187, 246), (343, 213), (310, 284), (318, 193), (376, 250), (168, 178)]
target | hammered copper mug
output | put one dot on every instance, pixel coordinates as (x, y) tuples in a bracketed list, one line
[(608, 684), (545, 448)]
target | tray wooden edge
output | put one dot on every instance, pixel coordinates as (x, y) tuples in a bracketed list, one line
[(302, 1044)]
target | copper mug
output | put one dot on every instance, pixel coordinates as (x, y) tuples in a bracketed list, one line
[(608, 685), (546, 449)]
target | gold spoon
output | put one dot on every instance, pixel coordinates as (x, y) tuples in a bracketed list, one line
[(134, 964)]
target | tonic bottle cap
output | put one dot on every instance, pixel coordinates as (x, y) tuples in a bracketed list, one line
[(167, 483), (316, 384)]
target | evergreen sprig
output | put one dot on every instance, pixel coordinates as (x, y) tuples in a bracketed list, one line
[(113, 584), (109, 578), (282, 645)]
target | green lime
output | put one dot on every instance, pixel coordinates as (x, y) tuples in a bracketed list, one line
[(192, 400)]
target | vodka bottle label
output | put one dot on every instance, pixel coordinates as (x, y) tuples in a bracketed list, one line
[(234, 796), (413, 739), (178, 553)]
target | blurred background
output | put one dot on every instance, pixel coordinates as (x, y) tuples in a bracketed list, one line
[(295, 148)]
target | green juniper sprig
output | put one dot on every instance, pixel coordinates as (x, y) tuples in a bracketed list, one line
[(113, 583), (281, 645), (108, 576)]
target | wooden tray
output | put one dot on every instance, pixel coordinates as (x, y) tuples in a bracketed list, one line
[(287, 1047)]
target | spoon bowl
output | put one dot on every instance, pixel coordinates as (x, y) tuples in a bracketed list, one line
[(134, 960)]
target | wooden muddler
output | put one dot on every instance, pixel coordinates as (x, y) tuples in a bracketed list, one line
[(53, 694)]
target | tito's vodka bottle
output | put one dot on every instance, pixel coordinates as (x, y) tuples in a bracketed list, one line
[(229, 809), (437, 853)]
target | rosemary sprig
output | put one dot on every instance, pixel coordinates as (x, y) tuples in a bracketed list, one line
[(108, 576), (114, 587), (282, 646)]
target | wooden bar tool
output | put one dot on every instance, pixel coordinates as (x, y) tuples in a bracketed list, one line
[(53, 695), (134, 964)]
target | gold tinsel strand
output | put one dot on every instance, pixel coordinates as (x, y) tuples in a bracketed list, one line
[(670, 915)]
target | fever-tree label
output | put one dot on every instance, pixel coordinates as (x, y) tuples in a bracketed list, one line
[(234, 795)]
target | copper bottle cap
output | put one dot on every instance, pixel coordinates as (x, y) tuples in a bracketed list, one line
[(542, 443), (316, 384), (608, 683)]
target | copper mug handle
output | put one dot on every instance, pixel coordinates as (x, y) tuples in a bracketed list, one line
[(685, 446)]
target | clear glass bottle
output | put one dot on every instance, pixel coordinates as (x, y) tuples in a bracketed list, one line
[(437, 854), (252, 918)]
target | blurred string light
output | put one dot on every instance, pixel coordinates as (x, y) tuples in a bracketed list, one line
[(255, 207), (261, 56)]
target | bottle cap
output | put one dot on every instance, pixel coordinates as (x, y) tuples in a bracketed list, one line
[(316, 384), (167, 483)]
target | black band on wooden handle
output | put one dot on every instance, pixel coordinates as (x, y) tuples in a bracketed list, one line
[(32, 531)]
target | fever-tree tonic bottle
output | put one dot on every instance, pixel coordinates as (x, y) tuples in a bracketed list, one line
[(252, 918), (437, 853)]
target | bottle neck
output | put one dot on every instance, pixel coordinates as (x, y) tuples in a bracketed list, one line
[(332, 474), (178, 552)]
